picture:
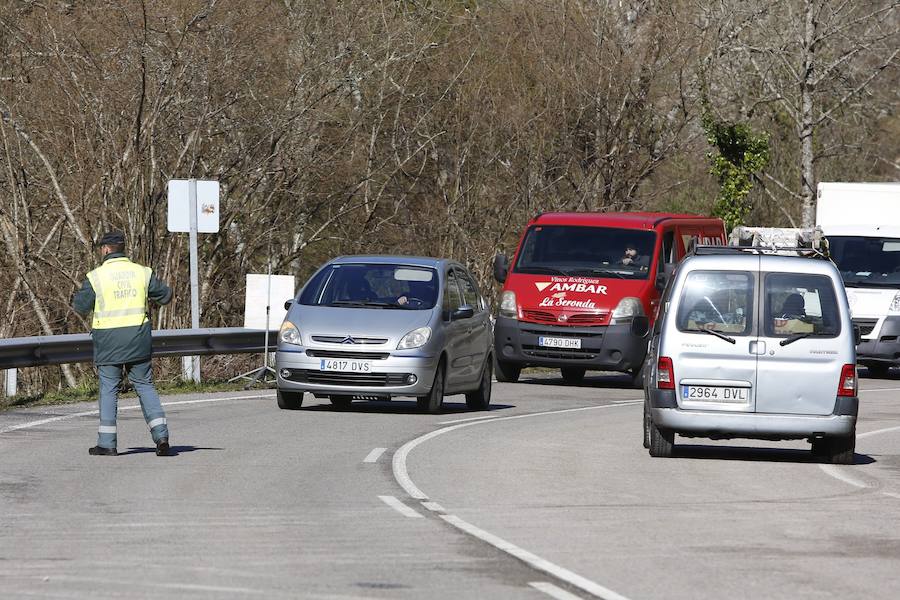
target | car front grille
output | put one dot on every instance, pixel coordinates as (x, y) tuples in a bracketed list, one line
[(348, 355), (338, 378), (866, 326), (348, 340), (583, 319)]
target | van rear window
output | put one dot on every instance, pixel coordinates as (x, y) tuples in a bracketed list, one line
[(719, 301), (800, 303), (586, 251)]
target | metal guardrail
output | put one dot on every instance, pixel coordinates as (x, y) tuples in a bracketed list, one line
[(78, 347)]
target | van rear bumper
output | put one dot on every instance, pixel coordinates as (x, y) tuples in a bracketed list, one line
[(722, 425), (885, 349), (611, 347)]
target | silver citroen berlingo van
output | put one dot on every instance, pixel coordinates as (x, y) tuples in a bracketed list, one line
[(753, 344)]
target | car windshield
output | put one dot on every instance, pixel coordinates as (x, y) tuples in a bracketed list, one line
[(597, 251), (866, 261), (374, 286)]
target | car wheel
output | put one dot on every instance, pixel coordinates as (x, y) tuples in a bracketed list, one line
[(572, 374), (289, 400), (646, 425), (507, 372), (841, 450), (480, 399), (662, 441), (878, 370), (341, 402), (435, 399)]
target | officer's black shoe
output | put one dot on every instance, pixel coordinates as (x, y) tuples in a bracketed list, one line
[(162, 447), (101, 451)]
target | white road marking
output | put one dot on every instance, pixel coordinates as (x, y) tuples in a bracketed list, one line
[(834, 471), (877, 432), (481, 418), (433, 506), (402, 476), (896, 389), (554, 591), (535, 561), (172, 586), (400, 507), (88, 413), (374, 455), (891, 494), (627, 401)]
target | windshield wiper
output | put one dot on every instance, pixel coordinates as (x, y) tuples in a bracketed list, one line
[(794, 338), (361, 303), (718, 334), (613, 272), (538, 269)]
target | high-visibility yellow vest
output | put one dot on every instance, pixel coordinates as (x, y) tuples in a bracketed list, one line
[(121, 293)]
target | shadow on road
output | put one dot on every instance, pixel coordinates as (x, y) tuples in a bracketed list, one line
[(619, 381), (401, 407), (792, 455), (173, 450)]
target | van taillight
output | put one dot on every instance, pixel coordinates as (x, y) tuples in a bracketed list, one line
[(847, 384), (665, 374)]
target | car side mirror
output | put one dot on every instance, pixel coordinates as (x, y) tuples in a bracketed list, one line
[(640, 326), (857, 335), (287, 304), (465, 311), (501, 267)]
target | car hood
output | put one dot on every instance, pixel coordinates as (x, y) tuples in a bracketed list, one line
[(357, 323)]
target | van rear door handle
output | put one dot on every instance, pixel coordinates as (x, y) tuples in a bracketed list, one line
[(757, 347)]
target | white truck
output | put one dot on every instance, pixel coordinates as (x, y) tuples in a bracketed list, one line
[(861, 222)]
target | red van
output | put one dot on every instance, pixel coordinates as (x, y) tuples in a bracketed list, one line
[(582, 289)]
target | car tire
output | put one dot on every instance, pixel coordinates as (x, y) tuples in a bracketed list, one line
[(507, 372), (646, 424), (637, 378), (572, 374), (480, 399), (432, 402), (341, 402), (289, 400), (878, 371), (841, 450), (662, 441)]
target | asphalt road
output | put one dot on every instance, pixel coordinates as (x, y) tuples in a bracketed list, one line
[(549, 494)]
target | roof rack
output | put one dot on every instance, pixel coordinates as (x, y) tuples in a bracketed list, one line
[(698, 250)]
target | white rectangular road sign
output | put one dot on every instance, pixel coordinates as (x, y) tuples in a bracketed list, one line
[(282, 288), (179, 217)]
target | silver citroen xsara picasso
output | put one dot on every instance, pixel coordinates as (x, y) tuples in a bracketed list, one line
[(753, 345), (377, 327)]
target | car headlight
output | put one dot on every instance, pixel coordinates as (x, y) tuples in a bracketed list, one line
[(508, 306), (415, 338), (895, 303), (289, 334), (626, 310)]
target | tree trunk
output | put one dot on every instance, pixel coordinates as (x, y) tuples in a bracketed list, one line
[(806, 124)]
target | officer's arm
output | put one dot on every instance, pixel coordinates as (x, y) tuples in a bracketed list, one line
[(83, 302), (158, 292)]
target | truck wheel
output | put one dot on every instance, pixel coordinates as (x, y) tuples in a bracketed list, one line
[(878, 370), (506, 372), (433, 401), (341, 402), (289, 400), (572, 374), (646, 425), (842, 449), (662, 441), (480, 399)]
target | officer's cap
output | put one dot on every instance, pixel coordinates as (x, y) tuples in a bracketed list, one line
[(112, 238)]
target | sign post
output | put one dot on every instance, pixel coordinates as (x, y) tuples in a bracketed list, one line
[(193, 208), (11, 383)]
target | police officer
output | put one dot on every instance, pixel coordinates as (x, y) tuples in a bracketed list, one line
[(118, 292)]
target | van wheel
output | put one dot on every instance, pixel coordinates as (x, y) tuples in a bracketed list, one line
[(341, 402), (662, 441), (841, 449), (572, 374), (480, 399), (289, 400), (507, 372), (646, 425), (432, 402)]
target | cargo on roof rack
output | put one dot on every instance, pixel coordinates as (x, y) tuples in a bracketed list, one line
[(777, 250), (781, 240)]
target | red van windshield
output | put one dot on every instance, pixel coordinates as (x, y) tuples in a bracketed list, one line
[(576, 250)]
